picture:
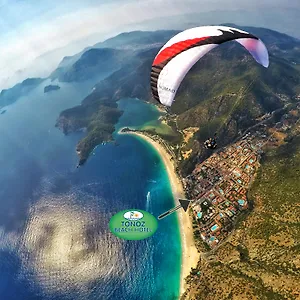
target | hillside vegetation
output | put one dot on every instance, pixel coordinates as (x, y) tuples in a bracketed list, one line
[(224, 93)]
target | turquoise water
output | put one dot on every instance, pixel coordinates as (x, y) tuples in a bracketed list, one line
[(137, 114), (54, 237), (215, 227)]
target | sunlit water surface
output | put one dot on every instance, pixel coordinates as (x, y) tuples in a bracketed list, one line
[(54, 237)]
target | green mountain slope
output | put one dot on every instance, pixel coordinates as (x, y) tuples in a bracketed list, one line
[(225, 92), (137, 39), (228, 81), (90, 64), (108, 55)]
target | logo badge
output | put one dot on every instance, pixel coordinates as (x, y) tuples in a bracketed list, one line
[(133, 215), (133, 224)]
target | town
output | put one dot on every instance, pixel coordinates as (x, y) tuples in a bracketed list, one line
[(218, 188)]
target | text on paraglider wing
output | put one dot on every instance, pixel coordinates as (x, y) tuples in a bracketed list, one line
[(166, 89)]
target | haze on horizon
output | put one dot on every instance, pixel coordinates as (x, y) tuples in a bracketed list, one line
[(35, 36)]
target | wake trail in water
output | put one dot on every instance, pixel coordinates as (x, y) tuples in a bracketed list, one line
[(148, 202)]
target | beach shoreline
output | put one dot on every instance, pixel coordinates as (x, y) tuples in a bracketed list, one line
[(190, 255)]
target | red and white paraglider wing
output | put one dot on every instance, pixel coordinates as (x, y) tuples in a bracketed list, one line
[(181, 52)]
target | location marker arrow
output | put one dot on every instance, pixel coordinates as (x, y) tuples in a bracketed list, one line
[(184, 203)]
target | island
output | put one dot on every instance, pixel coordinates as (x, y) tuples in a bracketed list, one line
[(51, 87)]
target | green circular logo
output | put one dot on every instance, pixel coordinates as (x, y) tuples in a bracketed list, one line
[(133, 224)]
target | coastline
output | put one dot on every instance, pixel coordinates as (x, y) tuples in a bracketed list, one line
[(190, 255)]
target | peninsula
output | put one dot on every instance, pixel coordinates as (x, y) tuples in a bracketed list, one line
[(51, 87)]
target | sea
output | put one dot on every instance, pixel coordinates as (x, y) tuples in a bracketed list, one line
[(54, 237)]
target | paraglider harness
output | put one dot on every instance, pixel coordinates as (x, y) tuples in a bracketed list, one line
[(211, 143)]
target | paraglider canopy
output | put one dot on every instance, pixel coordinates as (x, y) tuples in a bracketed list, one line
[(181, 52)]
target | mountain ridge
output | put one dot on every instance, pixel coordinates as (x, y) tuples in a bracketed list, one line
[(213, 94), (11, 95), (210, 87)]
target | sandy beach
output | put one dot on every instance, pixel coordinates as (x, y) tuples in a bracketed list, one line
[(190, 255)]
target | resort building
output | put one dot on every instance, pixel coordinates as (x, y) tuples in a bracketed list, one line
[(219, 186)]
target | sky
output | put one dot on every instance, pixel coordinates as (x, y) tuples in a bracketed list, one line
[(36, 34)]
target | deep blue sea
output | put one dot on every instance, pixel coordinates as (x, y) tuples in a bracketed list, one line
[(54, 237)]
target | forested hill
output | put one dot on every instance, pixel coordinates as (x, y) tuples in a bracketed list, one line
[(225, 92)]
